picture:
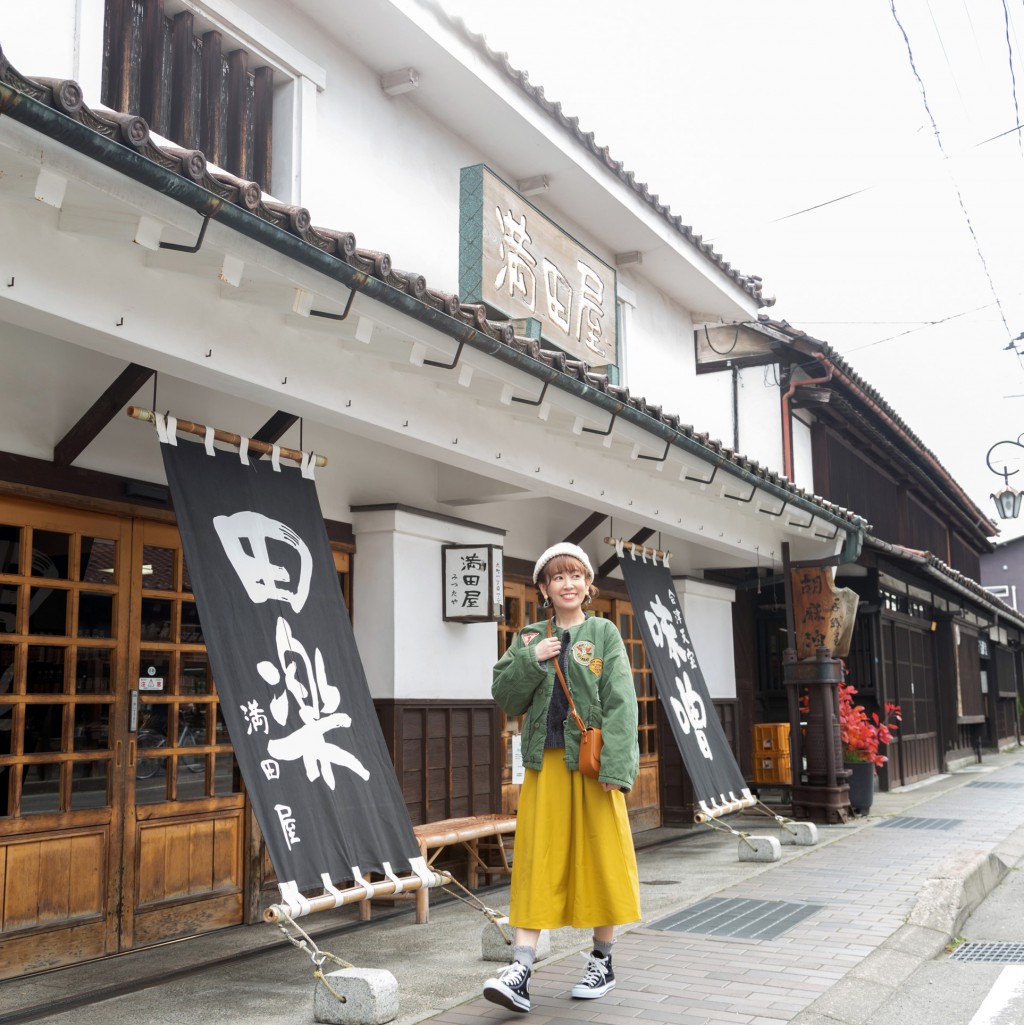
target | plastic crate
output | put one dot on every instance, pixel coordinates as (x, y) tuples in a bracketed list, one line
[(771, 738), (772, 769)]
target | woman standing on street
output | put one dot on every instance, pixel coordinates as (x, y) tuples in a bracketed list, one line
[(574, 861)]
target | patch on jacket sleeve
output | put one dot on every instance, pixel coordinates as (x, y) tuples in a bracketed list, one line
[(583, 652), (596, 665), (530, 637)]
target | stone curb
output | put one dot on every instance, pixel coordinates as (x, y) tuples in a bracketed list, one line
[(945, 903)]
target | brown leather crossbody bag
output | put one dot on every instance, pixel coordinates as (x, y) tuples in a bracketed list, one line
[(590, 736)]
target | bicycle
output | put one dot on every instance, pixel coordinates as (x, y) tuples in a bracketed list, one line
[(147, 767)]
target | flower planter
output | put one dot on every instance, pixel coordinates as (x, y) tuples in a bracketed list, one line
[(862, 785)]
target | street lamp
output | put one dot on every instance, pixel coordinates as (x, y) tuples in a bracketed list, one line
[(1007, 499)]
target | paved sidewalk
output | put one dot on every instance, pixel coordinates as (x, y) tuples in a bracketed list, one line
[(865, 878), (866, 886)]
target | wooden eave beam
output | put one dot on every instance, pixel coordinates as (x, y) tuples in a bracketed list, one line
[(274, 429), (102, 411)]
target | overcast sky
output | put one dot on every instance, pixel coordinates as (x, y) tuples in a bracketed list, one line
[(752, 119)]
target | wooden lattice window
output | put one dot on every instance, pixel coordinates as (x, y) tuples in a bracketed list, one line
[(643, 677), (196, 88)]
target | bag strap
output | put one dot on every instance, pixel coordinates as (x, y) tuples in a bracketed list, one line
[(561, 680)]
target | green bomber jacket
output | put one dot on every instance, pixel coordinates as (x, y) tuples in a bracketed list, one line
[(601, 682)]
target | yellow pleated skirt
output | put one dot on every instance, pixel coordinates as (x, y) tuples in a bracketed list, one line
[(574, 862)]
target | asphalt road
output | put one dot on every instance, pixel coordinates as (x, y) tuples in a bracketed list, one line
[(948, 991)]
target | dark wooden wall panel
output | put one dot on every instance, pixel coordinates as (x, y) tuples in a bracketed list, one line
[(964, 558), (446, 756), (188, 88), (856, 483), (928, 532)]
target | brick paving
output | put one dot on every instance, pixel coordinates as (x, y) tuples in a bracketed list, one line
[(867, 883)]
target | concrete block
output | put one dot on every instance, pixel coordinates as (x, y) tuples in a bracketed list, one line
[(853, 1001), (369, 996), (886, 967), (918, 941), (802, 834), (759, 848), (494, 948)]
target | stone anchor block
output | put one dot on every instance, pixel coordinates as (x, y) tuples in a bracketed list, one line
[(369, 996), (800, 834), (759, 848), (494, 948)]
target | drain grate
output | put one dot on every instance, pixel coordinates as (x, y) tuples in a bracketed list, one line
[(659, 882), (743, 919), (918, 822), (1000, 953), (991, 784)]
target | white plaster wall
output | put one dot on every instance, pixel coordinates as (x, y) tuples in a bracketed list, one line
[(760, 416), (660, 363), (408, 651), (707, 610), (803, 466)]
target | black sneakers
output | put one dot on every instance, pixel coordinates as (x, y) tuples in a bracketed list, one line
[(511, 988), (597, 980)]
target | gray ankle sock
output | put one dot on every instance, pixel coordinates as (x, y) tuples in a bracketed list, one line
[(524, 955), (603, 947)]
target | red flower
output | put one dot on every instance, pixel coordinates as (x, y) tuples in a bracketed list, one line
[(861, 735)]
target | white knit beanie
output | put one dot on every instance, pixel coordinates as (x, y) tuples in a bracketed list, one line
[(563, 548)]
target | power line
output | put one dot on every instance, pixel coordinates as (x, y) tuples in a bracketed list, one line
[(949, 63), (1013, 76), (857, 192), (818, 206), (924, 324), (938, 140)]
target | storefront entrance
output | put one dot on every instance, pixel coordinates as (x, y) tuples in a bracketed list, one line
[(122, 817), (908, 653)]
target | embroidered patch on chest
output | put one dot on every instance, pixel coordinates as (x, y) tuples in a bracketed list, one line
[(583, 652), (596, 664), (529, 638)]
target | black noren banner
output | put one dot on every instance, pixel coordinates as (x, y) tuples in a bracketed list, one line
[(717, 781), (291, 684)]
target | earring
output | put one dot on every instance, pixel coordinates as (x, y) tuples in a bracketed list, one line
[(589, 598), (547, 603)]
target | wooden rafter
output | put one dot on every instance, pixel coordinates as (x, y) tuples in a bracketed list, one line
[(273, 430), (590, 524), (100, 413)]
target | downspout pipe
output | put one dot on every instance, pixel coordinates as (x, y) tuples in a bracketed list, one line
[(787, 419), (63, 129)]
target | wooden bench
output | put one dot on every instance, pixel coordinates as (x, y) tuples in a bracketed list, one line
[(477, 834)]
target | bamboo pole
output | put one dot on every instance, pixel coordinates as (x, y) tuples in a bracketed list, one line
[(329, 901), (227, 437), (639, 549)]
